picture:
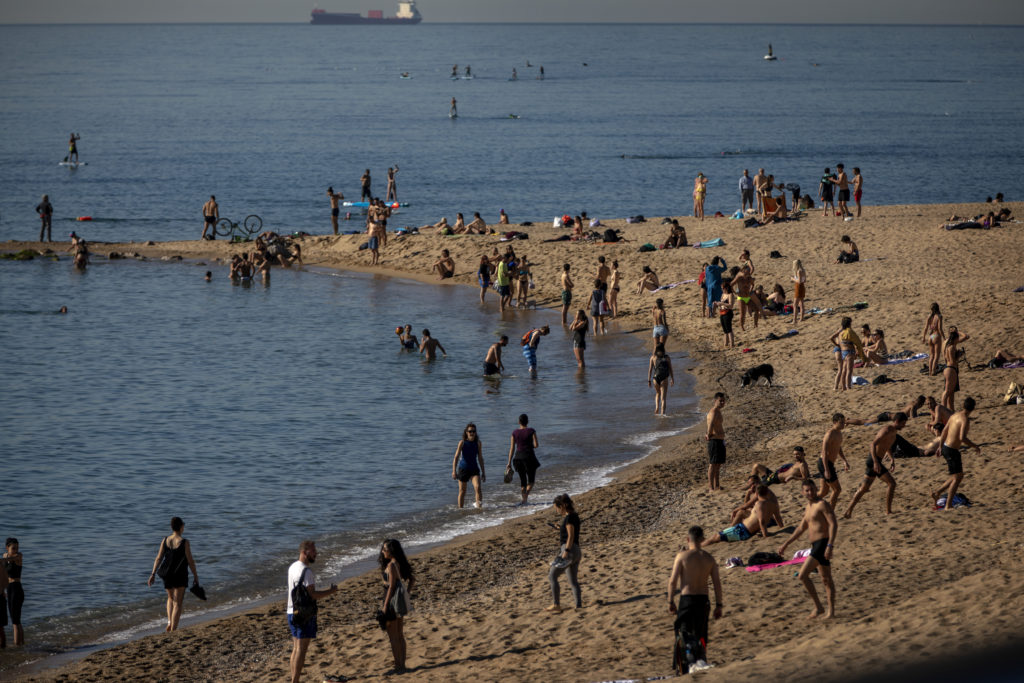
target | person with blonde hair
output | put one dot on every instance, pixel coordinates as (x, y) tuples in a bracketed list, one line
[(799, 290)]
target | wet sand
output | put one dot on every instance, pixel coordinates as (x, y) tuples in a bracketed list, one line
[(912, 587)]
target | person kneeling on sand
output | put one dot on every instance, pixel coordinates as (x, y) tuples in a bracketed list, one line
[(690, 572), (764, 509), (821, 525)]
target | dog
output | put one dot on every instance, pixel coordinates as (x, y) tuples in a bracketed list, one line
[(754, 375)]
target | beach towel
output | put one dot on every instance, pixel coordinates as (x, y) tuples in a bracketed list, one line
[(1012, 366), (908, 359), (717, 242), (673, 285)]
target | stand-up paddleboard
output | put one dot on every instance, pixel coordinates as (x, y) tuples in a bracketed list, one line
[(73, 164), (366, 205), (453, 115), (770, 57)]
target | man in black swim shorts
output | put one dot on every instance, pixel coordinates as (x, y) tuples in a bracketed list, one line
[(880, 448), (820, 522), (715, 436), (211, 212), (954, 436)]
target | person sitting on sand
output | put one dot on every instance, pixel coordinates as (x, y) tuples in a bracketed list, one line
[(775, 302), (460, 225), (676, 236), (445, 266), (786, 473), (429, 346), (781, 212), (477, 226), (876, 350), (761, 513), (750, 500), (649, 282), (850, 253), (502, 217), (440, 226)]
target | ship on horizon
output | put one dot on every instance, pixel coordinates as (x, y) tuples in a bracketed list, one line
[(407, 14)]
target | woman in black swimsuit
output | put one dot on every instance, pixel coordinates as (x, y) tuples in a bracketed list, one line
[(579, 327), (173, 561), (15, 594), (659, 371)]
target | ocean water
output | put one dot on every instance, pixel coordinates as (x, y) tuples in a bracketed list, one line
[(264, 415), (267, 116)]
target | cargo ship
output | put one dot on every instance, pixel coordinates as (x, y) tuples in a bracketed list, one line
[(407, 14)]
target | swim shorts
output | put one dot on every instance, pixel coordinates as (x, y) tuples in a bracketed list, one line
[(844, 195), (335, 211), (716, 451), (660, 331), (818, 551), (210, 219), (566, 297), (725, 318), (374, 242), (869, 470), (857, 195), (530, 354), (307, 630), (737, 532), (490, 369), (465, 474), (832, 475), (954, 463), (504, 290), (692, 615)]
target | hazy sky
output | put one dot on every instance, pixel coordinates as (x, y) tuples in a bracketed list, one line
[(998, 12)]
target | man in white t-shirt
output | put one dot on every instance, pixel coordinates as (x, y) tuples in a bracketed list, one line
[(301, 635)]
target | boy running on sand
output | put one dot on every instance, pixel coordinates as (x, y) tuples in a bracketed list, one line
[(820, 522), (879, 449)]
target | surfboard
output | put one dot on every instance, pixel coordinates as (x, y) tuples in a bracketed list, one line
[(73, 164)]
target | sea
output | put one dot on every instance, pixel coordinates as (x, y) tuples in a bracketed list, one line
[(263, 415)]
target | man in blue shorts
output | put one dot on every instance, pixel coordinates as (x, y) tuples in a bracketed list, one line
[(306, 631)]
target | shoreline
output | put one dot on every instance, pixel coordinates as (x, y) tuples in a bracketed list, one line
[(651, 501)]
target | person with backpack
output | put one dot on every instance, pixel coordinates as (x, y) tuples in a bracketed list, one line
[(172, 563), (530, 342), (690, 573), (302, 607)]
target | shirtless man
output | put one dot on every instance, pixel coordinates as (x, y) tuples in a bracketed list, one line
[(832, 448), (843, 195), (603, 272), (760, 181), (821, 525), (954, 435), (335, 197), (378, 234), (743, 284), (429, 346), (690, 572), (364, 182), (492, 361), (566, 293), (940, 415), (764, 509), (715, 436), (477, 226), (211, 212), (445, 266), (874, 468), (392, 191), (73, 147), (755, 494), (858, 188), (786, 473)]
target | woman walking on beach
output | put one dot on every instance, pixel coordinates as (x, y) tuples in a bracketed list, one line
[(468, 465), (660, 322), (579, 327), (173, 562), (659, 371), (395, 568), (700, 190), (569, 555), (14, 593), (799, 290), (613, 290), (522, 456), (933, 334), (951, 357)]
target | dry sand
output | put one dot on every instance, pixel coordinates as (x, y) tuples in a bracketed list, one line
[(913, 587)]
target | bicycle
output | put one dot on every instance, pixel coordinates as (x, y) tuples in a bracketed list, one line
[(252, 225)]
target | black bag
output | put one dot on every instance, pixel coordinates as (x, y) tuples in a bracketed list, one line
[(610, 235), (688, 649), (164, 570), (762, 557), (304, 607), (751, 222)]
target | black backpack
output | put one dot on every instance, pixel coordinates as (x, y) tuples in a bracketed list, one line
[(304, 606), (610, 236)]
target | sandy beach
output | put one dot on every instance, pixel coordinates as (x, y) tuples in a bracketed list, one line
[(913, 588)]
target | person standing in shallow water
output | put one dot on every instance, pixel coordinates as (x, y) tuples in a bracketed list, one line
[(468, 465), (659, 371), (522, 456), (14, 592), (579, 328), (178, 565)]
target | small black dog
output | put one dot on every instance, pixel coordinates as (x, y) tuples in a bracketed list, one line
[(754, 375)]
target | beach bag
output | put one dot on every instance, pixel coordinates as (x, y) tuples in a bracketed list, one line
[(750, 223), (399, 603), (882, 379), (689, 649), (304, 607), (610, 236), (647, 247), (602, 308), (557, 223), (164, 570), (508, 475), (1012, 393)]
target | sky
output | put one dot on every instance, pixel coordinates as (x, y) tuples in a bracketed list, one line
[(995, 12)]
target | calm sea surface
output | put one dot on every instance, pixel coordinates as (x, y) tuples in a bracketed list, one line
[(264, 415)]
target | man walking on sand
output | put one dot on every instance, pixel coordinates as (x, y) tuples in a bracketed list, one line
[(715, 436), (492, 361), (302, 633), (211, 212), (566, 293), (335, 197), (832, 448), (954, 434), (820, 523), (880, 448), (746, 191), (690, 573)]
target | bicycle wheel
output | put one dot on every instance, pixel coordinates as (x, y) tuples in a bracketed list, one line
[(224, 227), (253, 224)]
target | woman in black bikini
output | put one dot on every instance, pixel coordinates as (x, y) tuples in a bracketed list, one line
[(952, 372), (179, 561)]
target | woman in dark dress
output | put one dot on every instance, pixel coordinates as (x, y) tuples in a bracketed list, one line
[(569, 555), (395, 568), (174, 570)]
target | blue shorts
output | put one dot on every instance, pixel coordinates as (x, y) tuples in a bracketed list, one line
[(660, 331), (307, 630), (373, 244), (734, 533), (530, 354)]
